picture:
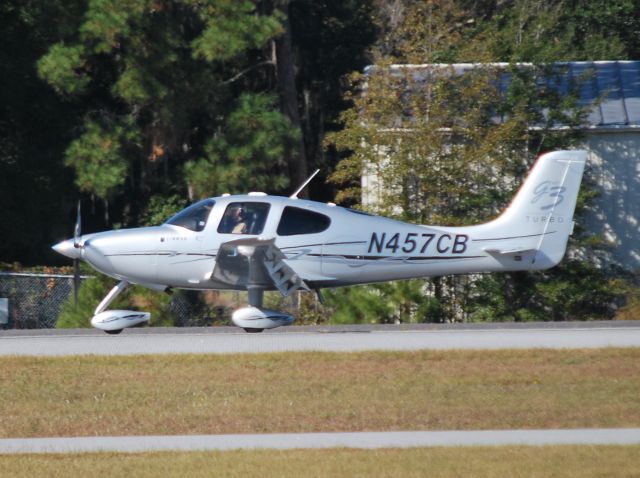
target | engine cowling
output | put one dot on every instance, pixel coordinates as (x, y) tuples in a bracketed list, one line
[(114, 321), (255, 319)]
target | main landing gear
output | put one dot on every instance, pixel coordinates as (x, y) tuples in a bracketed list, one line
[(255, 319)]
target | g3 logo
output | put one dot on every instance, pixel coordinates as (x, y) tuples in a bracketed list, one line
[(548, 191)]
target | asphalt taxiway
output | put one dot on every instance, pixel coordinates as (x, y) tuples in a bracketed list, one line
[(224, 340)]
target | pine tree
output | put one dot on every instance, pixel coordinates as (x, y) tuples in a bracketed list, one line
[(160, 82)]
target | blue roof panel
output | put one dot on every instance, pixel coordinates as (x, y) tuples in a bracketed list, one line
[(560, 79), (583, 75), (630, 80), (612, 106), (611, 89)]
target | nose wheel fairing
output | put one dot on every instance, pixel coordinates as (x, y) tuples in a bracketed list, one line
[(113, 321)]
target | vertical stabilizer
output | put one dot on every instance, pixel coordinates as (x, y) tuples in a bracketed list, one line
[(540, 217)]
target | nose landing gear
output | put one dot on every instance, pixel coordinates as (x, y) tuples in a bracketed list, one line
[(114, 321)]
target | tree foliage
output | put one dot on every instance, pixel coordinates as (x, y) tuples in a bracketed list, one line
[(133, 101), (35, 129), (440, 146), (560, 30), (253, 140), (156, 78), (99, 159)]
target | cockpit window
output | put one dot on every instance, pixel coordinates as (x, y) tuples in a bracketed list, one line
[(301, 221), (244, 218), (194, 217)]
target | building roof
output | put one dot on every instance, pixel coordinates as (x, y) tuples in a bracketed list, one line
[(615, 83)]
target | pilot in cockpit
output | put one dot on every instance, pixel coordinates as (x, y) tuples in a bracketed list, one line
[(239, 221)]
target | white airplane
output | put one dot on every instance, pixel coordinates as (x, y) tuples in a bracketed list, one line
[(257, 243)]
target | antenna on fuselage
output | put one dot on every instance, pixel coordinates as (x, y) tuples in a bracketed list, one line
[(295, 195)]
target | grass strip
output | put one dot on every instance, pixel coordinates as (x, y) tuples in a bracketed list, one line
[(315, 392), (481, 462)]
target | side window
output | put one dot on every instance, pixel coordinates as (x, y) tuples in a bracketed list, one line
[(244, 218), (301, 221)]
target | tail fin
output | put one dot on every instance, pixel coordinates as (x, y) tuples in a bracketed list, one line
[(540, 217)]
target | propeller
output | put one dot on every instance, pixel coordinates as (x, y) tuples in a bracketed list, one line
[(76, 262), (73, 249), (77, 229)]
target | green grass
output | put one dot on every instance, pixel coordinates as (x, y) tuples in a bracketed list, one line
[(480, 462), (313, 392)]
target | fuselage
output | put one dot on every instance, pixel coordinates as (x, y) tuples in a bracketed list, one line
[(326, 245)]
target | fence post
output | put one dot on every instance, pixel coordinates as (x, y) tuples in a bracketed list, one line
[(4, 313)]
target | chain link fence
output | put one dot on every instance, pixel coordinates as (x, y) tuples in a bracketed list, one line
[(33, 301)]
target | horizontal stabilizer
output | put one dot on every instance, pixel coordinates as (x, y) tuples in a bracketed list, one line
[(503, 252)]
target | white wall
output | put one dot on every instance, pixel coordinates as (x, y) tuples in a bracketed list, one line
[(614, 163)]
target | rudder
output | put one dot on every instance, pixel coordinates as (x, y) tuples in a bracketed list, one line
[(540, 217)]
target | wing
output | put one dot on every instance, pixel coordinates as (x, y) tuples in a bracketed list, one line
[(258, 263)]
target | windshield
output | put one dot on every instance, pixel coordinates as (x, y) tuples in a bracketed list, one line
[(194, 217)]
